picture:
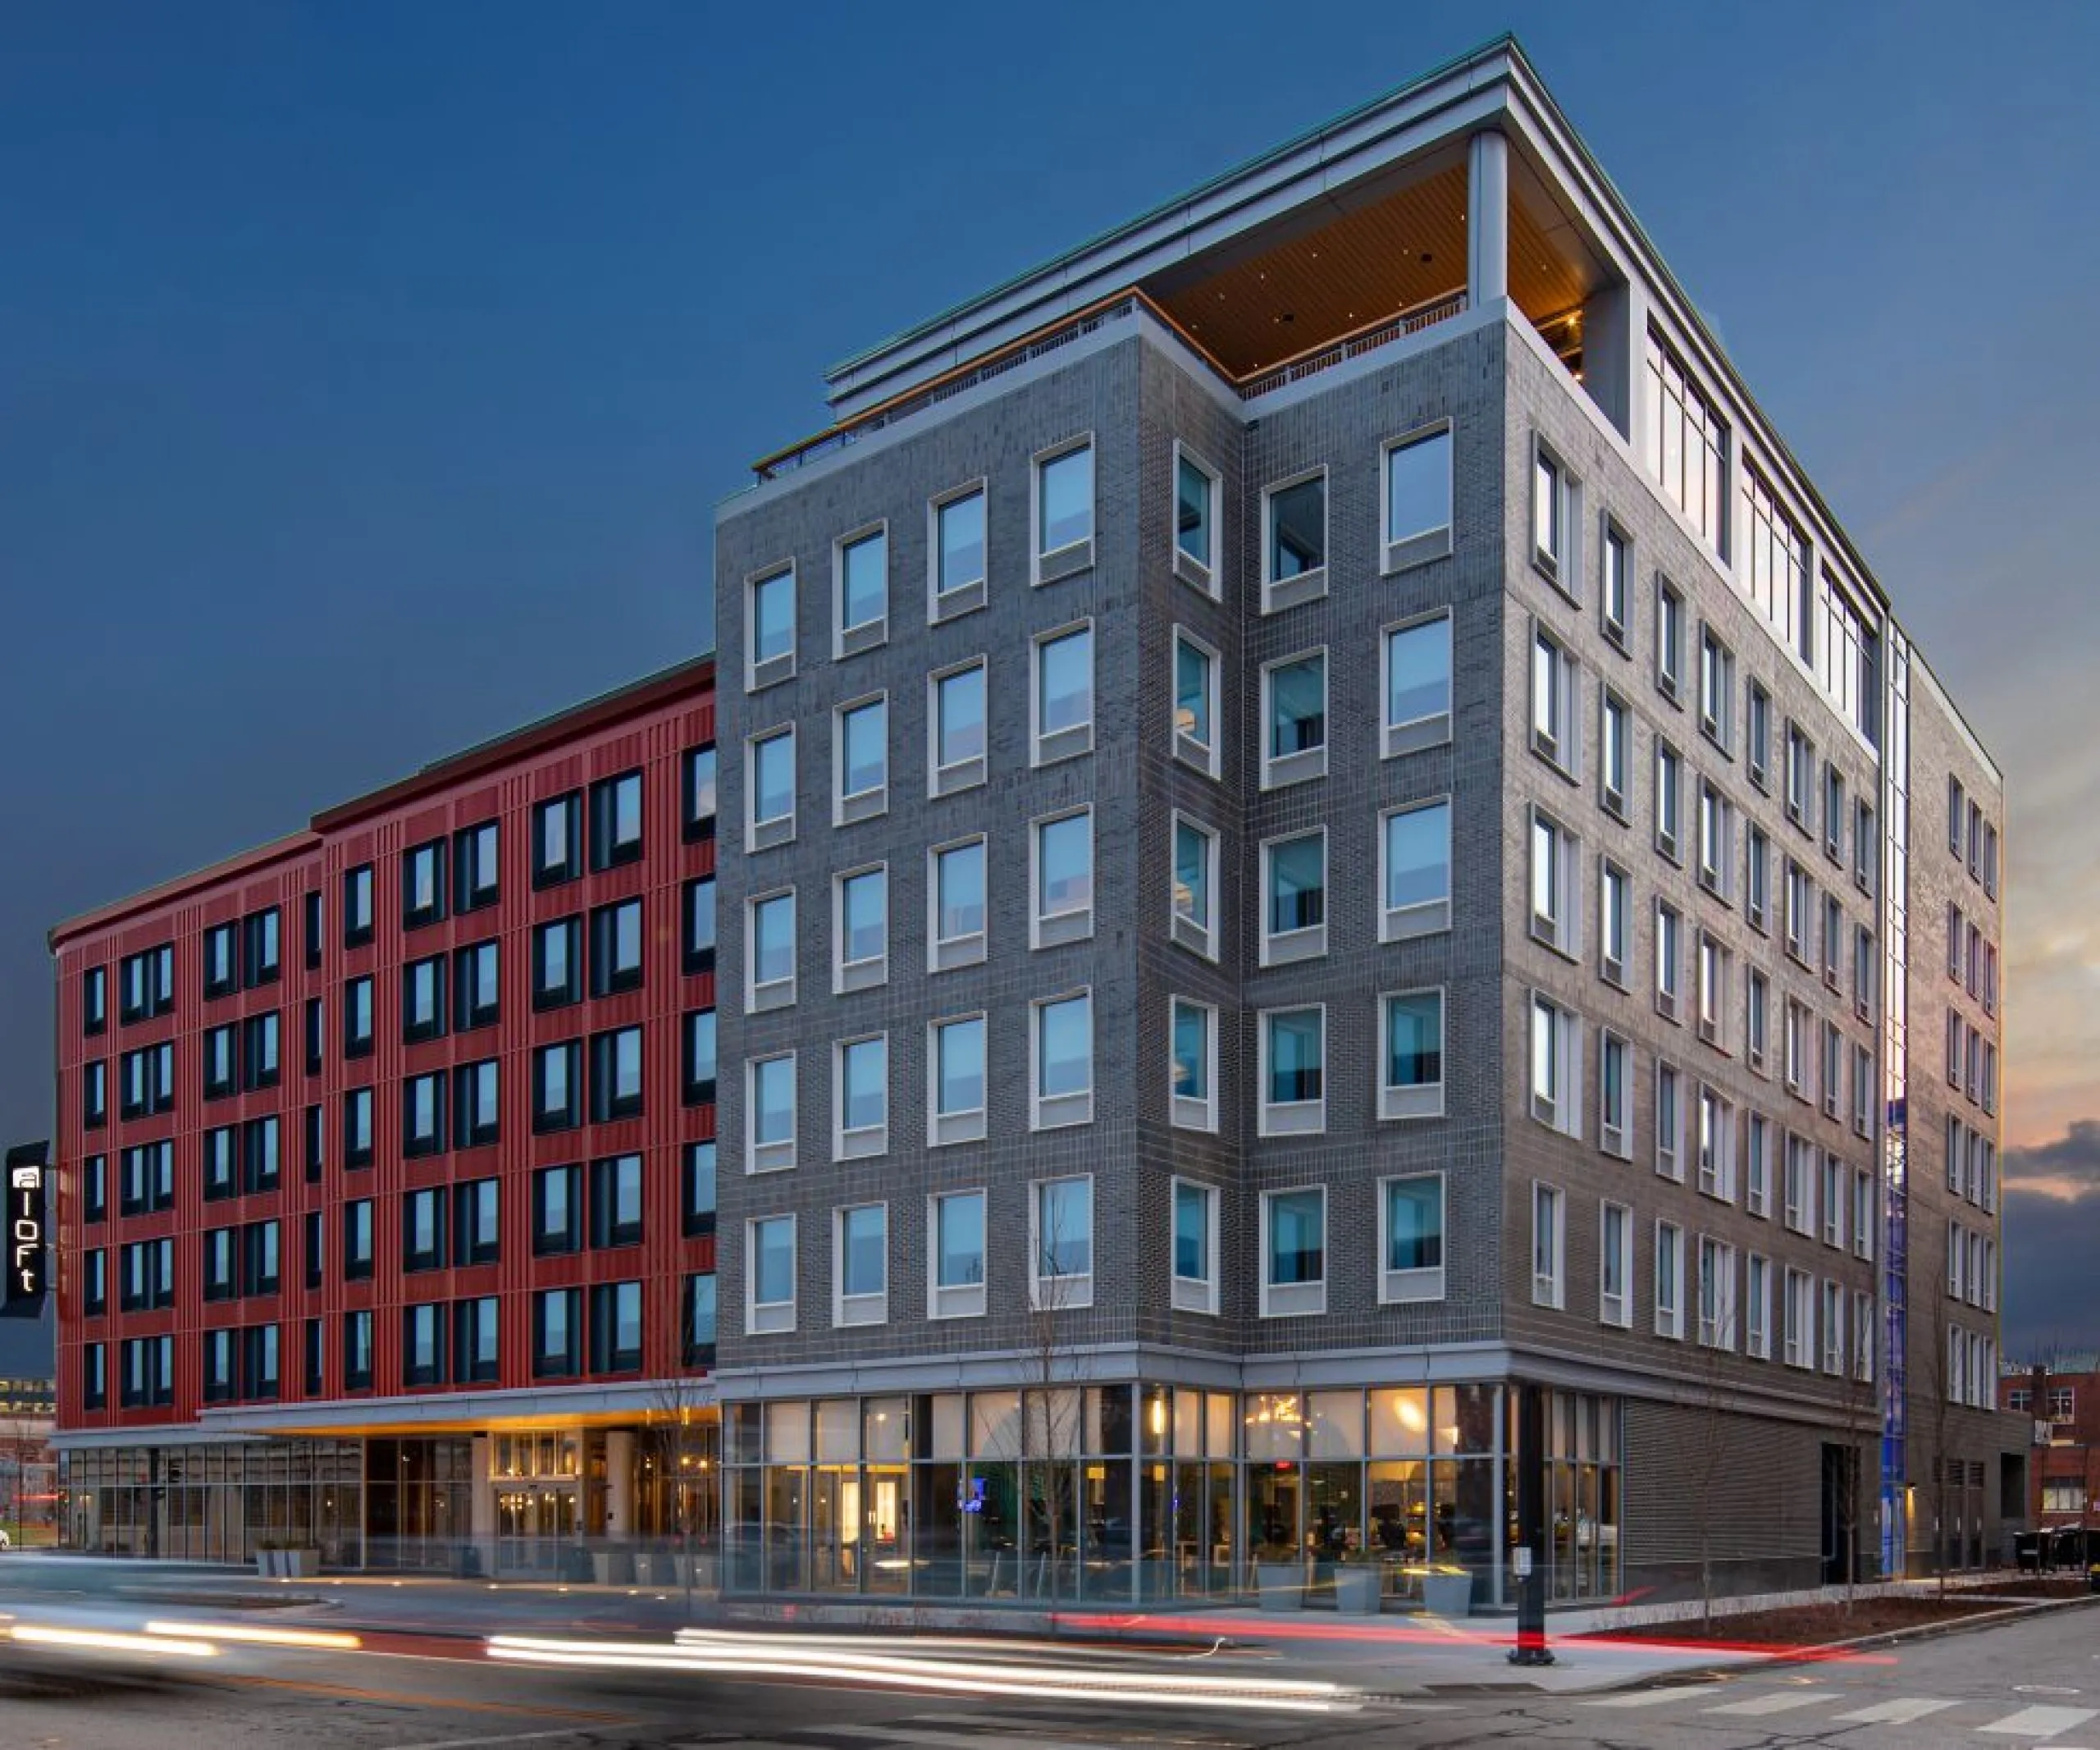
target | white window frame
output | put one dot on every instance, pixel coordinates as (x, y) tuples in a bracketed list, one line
[(1669, 800), (1669, 1123), (1618, 627), (775, 830), (965, 1124), (1422, 1282), (969, 772), (1425, 1099), (958, 1299), (1289, 1118), (1281, 948), (1401, 550), (849, 805), (1550, 1284), (1834, 1321), (1552, 503), (1561, 929), (1669, 1314), (1717, 834), (1186, 1111), (1078, 1291), (1075, 740), (864, 974), (1192, 1294), (1059, 1111), (1669, 640), (1714, 1137), (762, 1316), (1615, 1126), (1757, 1306), (1614, 926), (1670, 960), (1557, 740), (943, 954), (1185, 932), (1053, 565), (777, 993), (1717, 690), (1074, 923), (1410, 735), (866, 1308), (1293, 1299), (1615, 789), (771, 1157), (869, 1140), (1420, 917), (772, 670), (1203, 756), (1715, 1270), (971, 594), (1278, 594), (1559, 1108), (849, 641), (1209, 579), (1280, 770), (1615, 1309)]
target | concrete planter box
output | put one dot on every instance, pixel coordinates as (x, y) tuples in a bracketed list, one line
[(1357, 1590), (1282, 1585), (298, 1565), (1448, 1594), (266, 1564), (613, 1567)]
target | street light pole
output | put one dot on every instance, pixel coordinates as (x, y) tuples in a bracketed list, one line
[(1530, 1553)]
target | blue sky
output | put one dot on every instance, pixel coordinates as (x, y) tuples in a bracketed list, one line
[(369, 371)]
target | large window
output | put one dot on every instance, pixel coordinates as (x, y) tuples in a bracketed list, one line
[(1416, 685), (861, 571), (1061, 853), (1411, 1031), (1294, 542), (1195, 521), (1060, 1245), (1293, 1071), (769, 626), (1195, 887), (1294, 719), (1195, 702), (860, 1265), (1411, 1239), (769, 1112), (1775, 569), (957, 729), (1195, 1247), (770, 951), (771, 790), (1064, 511), (956, 1080), (1549, 1245), (1294, 1252), (958, 553), (955, 905), (770, 1274), (1293, 898), (1062, 1059), (860, 766), (1418, 521), (1686, 444), (860, 929), (958, 1263), (1061, 701), (1193, 1065), (1415, 870), (860, 1110)]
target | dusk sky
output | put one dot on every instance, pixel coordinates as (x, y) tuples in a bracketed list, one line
[(369, 372)]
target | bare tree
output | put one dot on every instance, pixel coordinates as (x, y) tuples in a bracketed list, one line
[(1858, 1405), (1053, 1399), (1713, 1402), (22, 1440), (680, 1433)]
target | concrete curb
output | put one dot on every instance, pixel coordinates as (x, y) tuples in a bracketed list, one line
[(1748, 1663)]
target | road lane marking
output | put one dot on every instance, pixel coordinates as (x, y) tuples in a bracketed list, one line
[(1900, 1711), (2041, 1722), (1779, 1701), (508, 1737), (1650, 1697)]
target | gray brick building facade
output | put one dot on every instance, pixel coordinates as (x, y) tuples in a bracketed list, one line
[(1485, 925)]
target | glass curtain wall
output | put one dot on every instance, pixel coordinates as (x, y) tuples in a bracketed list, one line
[(216, 1503)]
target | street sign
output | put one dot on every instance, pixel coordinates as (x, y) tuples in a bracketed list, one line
[(26, 1213)]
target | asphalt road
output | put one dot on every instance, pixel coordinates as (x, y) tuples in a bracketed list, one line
[(2032, 1682)]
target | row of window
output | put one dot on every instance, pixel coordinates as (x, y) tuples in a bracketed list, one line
[(1972, 1165), (1698, 1292), (1971, 838), (1972, 1063), (1972, 1266), (1972, 959), (454, 1342), (1972, 1368)]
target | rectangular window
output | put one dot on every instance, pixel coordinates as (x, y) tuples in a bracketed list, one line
[(1713, 989), (423, 1011), (357, 1127), (477, 866), (1063, 513), (1669, 640), (557, 962), (1759, 739), (1615, 1095), (1556, 886), (357, 1351), (1717, 690), (616, 821), (1194, 887), (475, 1334), (860, 1097), (859, 929), (1669, 800), (770, 967), (1294, 719), (1669, 1122), (1615, 922), (956, 1267), (616, 948), (957, 552), (860, 762), (1549, 1245), (1195, 733), (557, 1210), (701, 777), (221, 959), (768, 628), (558, 839), (769, 1275), (1414, 851), (1411, 1055), (1800, 1209), (956, 1070), (557, 1332), (1195, 1278), (1061, 1244), (1060, 695), (860, 1265), (1670, 958), (697, 1196), (1717, 1146), (475, 992), (1294, 1252), (1617, 602), (1717, 835), (1549, 517), (1415, 682), (477, 1106), (1757, 1308), (1196, 496), (702, 1052), (423, 1114), (956, 715), (1061, 1061), (1835, 812), (1833, 1327), (1293, 1071), (1061, 856), (557, 1086), (422, 885), (1411, 1239), (769, 1107), (1757, 878), (615, 1075), (616, 1202), (477, 1232), (1192, 1065), (356, 905), (955, 905), (1294, 542), (94, 1000), (357, 1239), (861, 592), (1418, 521), (1293, 898), (1616, 736), (1669, 1280), (1685, 445), (769, 800), (1717, 1294), (1800, 779), (222, 1069), (422, 1230), (357, 1017), (1556, 1068), (1615, 1265)]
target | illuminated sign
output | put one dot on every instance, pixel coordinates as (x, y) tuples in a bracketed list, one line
[(27, 1172)]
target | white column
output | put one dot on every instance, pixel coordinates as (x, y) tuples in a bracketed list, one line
[(619, 1482), (1487, 220)]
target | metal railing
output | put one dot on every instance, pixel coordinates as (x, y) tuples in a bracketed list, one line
[(1354, 345)]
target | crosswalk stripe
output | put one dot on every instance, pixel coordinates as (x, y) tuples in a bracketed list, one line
[(2040, 1722), (1779, 1701), (1902, 1711), (1649, 1698)]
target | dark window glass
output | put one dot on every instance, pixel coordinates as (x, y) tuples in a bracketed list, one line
[(557, 839), (697, 1348), (357, 1351), (94, 1095), (317, 1036), (423, 1114), (699, 770), (356, 905), (475, 863), (220, 1264), (700, 1057), (357, 1127), (313, 922), (315, 1253), (422, 1230), (616, 1328), (615, 1075), (422, 998), (261, 946), (94, 999), (259, 1051), (616, 1201), (261, 1263), (475, 1104), (558, 962), (474, 1328), (475, 986), (616, 948), (557, 1210), (697, 1198), (476, 1233), (422, 1345), (700, 924), (557, 1340), (316, 1345), (357, 1239), (221, 1060), (558, 1086), (616, 821), (422, 885), (357, 1017), (261, 1169), (222, 1162), (317, 1144), (94, 1188), (221, 959)]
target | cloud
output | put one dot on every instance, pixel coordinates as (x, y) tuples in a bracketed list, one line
[(2067, 1168), (2051, 1246)]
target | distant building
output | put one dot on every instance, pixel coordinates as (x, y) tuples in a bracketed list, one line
[(2061, 1400)]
